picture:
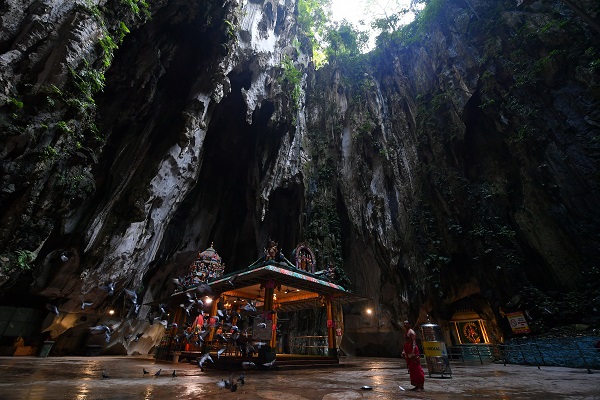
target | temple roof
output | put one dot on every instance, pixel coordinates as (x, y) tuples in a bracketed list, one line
[(296, 289)]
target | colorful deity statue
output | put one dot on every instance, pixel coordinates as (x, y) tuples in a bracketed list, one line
[(207, 266), (304, 258), (271, 250)]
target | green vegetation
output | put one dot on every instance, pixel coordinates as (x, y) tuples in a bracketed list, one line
[(77, 181), (313, 16), (24, 259), (291, 79), (548, 310), (16, 103), (344, 41), (19, 260), (138, 6), (392, 33), (108, 48), (230, 29), (121, 32), (424, 223), (89, 81)]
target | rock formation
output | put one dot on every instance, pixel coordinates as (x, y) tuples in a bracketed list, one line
[(454, 167)]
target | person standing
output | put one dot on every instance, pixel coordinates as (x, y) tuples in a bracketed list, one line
[(410, 352)]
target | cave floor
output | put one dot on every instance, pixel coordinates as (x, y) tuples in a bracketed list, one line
[(80, 378)]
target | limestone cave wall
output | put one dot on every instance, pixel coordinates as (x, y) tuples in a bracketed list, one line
[(453, 168)]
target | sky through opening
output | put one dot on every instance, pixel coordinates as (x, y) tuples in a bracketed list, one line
[(360, 15)]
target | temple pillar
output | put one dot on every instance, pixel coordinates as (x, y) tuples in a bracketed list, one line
[(270, 315), (234, 314), (175, 319), (273, 342), (268, 301), (213, 313), (331, 348)]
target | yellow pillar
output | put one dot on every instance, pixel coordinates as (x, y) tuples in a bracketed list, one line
[(268, 307), (332, 350)]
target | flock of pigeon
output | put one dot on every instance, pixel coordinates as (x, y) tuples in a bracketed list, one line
[(194, 306)]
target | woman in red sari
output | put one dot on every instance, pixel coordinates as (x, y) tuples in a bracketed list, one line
[(410, 352)]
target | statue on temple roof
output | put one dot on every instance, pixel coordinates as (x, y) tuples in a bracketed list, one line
[(207, 266)]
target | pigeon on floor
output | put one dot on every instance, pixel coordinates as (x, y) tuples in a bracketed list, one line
[(228, 384), (145, 372), (104, 376), (157, 374), (174, 375)]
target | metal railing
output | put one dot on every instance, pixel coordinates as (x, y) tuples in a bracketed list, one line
[(309, 345), (566, 352)]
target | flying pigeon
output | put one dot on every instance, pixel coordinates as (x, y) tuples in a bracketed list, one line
[(249, 307), (269, 364), (177, 283), (203, 288), (205, 357), (132, 295), (221, 351), (248, 364), (99, 329), (187, 309), (53, 308), (231, 280), (109, 287), (162, 308)]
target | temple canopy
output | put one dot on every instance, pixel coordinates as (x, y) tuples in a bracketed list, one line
[(249, 299), (294, 288)]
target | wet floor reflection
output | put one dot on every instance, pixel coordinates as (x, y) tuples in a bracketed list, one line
[(81, 379)]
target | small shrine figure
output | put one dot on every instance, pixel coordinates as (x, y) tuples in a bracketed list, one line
[(330, 271), (271, 250), (304, 258)]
